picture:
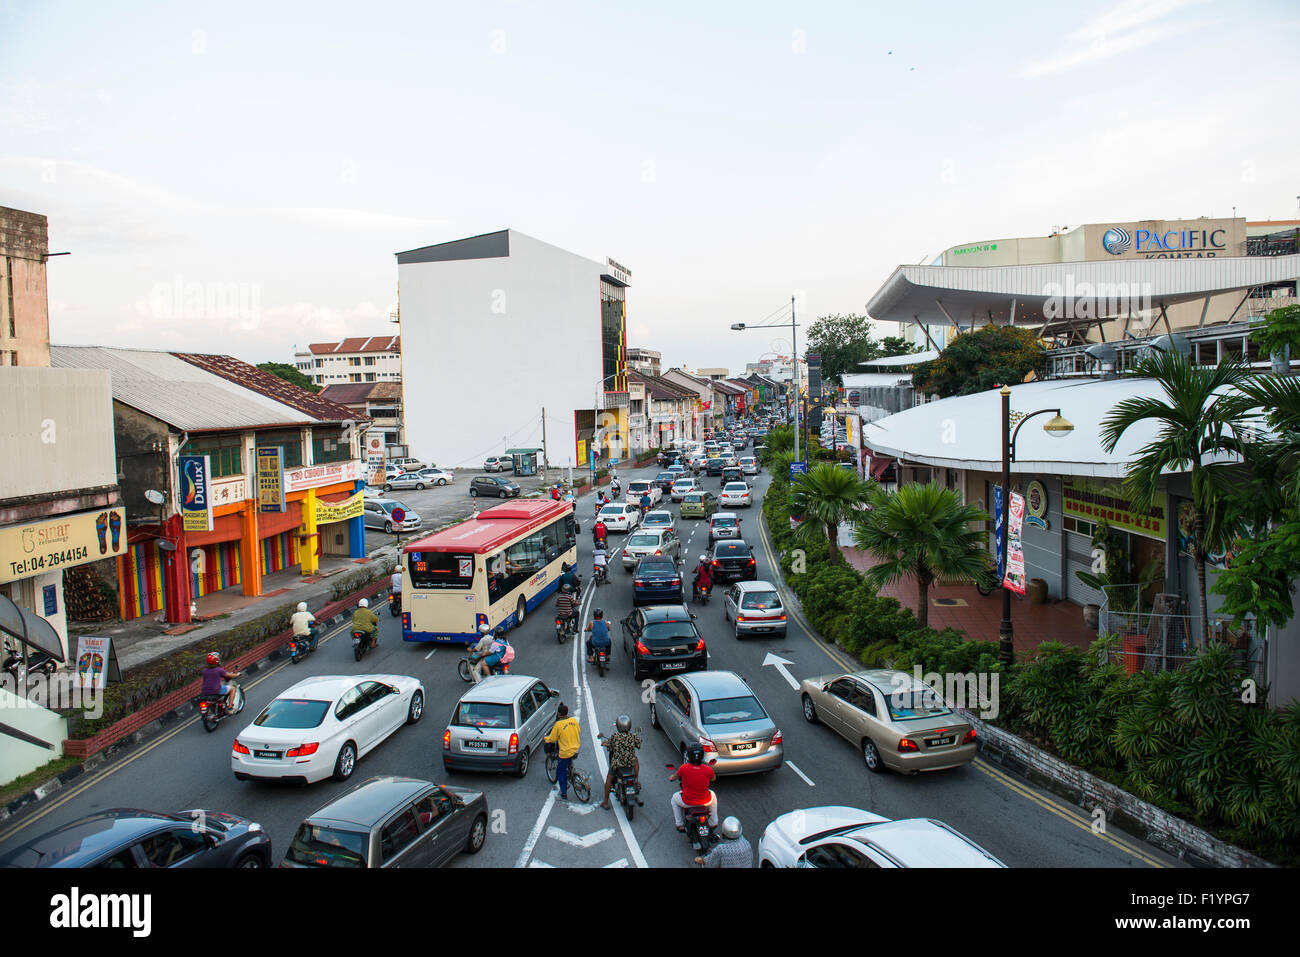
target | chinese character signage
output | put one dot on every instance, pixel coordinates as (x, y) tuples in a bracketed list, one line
[(270, 478), (196, 492), (1097, 501), (349, 508)]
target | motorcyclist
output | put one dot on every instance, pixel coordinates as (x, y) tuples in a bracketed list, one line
[(599, 629), (216, 681), (696, 776), (645, 503), (615, 488), (622, 745), (599, 533), (600, 562), (703, 576), (365, 620), (566, 604), (734, 851), (496, 651), (395, 585), (569, 576), (302, 621)]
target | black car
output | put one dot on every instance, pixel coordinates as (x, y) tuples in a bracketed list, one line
[(493, 485), (663, 639), (131, 838), (732, 473), (665, 481), (657, 580), (733, 561), (714, 466)]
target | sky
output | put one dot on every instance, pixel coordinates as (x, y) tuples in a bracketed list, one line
[(236, 177)]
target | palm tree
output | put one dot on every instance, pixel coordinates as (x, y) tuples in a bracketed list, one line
[(1200, 417), (826, 496), (923, 531)]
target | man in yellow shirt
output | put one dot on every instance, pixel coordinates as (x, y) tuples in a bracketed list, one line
[(567, 734)]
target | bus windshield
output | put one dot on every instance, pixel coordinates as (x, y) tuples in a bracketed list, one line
[(441, 569)]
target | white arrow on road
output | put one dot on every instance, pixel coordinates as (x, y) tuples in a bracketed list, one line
[(779, 664), (584, 842)]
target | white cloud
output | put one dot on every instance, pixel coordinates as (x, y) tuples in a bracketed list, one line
[(338, 218), (1113, 33)]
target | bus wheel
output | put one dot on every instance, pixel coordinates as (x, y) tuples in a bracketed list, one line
[(520, 611)]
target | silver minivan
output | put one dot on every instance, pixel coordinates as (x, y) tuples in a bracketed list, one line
[(498, 724), (755, 608)]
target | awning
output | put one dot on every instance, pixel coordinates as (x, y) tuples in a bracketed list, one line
[(29, 628), (880, 465)]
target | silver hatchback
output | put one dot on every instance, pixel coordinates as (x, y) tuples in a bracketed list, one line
[(718, 710), (498, 724), (649, 542), (755, 608)]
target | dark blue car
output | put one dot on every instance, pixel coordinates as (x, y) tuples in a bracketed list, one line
[(657, 582)]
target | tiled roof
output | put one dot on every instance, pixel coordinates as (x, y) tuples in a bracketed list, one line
[(272, 386), (659, 388), (359, 344), (359, 393)]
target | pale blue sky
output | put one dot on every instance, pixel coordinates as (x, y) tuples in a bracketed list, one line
[(727, 154)]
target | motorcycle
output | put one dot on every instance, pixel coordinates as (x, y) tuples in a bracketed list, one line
[(600, 574), (701, 595), (627, 789), (469, 664), (38, 662), (698, 829), (212, 708), (362, 641), (600, 657), (300, 647), (564, 627), (616, 489), (395, 603)]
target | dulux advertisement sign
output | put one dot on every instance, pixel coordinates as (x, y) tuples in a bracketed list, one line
[(196, 492)]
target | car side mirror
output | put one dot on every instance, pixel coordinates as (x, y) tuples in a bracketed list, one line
[(554, 693), (694, 616), (393, 690)]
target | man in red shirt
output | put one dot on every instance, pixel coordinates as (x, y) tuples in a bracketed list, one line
[(696, 776)]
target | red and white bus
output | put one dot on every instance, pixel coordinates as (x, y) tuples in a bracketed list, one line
[(493, 569)]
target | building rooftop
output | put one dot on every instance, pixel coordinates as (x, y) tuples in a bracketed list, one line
[(359, 344), (358, 393)]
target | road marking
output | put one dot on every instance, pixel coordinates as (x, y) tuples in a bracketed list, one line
[(779, 663), (430, 654), (579, 841), (795, 768), (621, 862), (536, 832), (541, 864)]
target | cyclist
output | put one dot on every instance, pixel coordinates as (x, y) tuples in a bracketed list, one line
[(622, 745), (566, 734), (599, 629)]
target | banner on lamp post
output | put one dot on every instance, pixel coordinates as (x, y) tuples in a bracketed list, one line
[(1014, 578), (999, 541)]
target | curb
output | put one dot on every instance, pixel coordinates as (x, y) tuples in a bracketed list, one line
[(187, 707)]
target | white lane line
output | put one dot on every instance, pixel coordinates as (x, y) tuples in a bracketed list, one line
[(795, 768), (537, 828), (541, 864), (582, 841), (430, 654), (621, 862), (583, 809)]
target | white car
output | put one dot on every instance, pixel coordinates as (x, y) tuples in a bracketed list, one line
[(420, 480), (409, 464), (682, 486), (749, 465), (620, 517), (849, 837), (319, 727), (641, 487), (735, 494)]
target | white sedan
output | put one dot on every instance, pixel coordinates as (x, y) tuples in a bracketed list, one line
[(735, 494), (320, 727), (620, 517), (849, 837)]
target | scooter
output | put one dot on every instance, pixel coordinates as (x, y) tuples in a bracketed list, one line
[(362, 641), (600, 657), (38, 662), (564, 627), (300, 648), (701, 595), (212, 708), (469, 664), (395, 603), (627, 789), (698, 829), (600, 574)]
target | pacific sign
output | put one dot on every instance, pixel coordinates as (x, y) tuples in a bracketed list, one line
[(1172, 244)]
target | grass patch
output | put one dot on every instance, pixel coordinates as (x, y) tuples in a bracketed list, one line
[(34, 779)]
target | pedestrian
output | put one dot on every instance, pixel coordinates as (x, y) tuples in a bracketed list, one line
[(567, 736)]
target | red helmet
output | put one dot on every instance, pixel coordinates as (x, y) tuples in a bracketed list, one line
[(214, 659)]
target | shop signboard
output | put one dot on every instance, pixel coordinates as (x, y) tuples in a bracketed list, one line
[(316, 476), (197, 505), (58, 543), (270, 478), (349, 508), (1108, 501)]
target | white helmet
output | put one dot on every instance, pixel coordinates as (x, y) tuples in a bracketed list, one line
[(363, 603), (731, 828), (483, 629), (302, 606)]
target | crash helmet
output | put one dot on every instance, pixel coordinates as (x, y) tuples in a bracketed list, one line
[(214, 659), (302, 606), (695, 754), (499, 632), (731, 828), (624, 724), (484, 628), (599, 613), (704, 558)]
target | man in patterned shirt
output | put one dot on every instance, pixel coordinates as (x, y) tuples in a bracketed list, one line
[(733, 851), (622, 747)]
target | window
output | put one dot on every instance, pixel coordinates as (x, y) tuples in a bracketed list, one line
[(431, 809), (317, 846), (1230, 348), (863, 700), (354, 361), (837, 855), (541, 694), (290, 441), (119, 860), (370, 377), (1207, 352), (226, 454), (319, 363), (171, 847), (370, 360), (526, 707), (349, 704), (327, 445), (437, 570), (354, 377), (843, 689), (397, 835)]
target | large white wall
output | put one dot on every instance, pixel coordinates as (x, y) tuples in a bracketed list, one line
[(486, 343)]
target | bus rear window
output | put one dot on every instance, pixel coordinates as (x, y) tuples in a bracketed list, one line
[(441, 569)]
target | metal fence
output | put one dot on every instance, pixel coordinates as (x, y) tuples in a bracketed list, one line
[(1161, 633)]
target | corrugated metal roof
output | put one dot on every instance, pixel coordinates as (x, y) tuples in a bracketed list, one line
[(888, 362), (174, 391)]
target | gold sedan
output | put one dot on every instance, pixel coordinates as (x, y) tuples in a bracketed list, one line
[(895, 720)]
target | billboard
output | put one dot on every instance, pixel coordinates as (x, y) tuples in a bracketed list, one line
[(270, 478), (196, 492)]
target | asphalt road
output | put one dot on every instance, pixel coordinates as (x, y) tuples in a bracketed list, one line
[(186, 767)]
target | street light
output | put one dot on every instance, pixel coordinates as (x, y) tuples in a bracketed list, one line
[(794, 343), (1058, 427)]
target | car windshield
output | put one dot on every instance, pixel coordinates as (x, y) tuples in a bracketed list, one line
[(291, 713), (913, 705), (639, 486), (694, 499), (665, 477), (723, 522), (658, 518), (483, 714), (731, 710), (316, 846), (683, 483), (643, 541), (761, 600), (667, 630)]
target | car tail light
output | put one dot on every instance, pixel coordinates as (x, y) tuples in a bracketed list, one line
[(641, 649), (970, 736), (639, 583), (778, 737), (657, 552), (302, 751), (676, 581), (752, 562), (708, 746), (739, 619), (239, 748), (716, 563), (446, 740), (907, 744), (699, 645), (514, 743)]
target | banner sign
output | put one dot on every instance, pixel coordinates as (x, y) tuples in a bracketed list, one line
[(196, 492), (57, 543), (270, 478), (349, 508), (1036, 504), (999, 542), (1014, 579), (376, 452), (314, 476), (92, 660), (1095, 501)]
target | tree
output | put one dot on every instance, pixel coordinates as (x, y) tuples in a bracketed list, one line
[(895, 346), (921, 531), (1201, 416), (842, 342), (289, 374), (826, 496), (980, 360), (1280, 332)]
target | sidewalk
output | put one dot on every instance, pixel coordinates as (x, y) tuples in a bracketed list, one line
[(964, 608)]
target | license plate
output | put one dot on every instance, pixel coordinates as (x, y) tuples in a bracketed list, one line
[(266, 754), (674, 666), (484, 745), (939, 742), (763, 628), (744, 747)]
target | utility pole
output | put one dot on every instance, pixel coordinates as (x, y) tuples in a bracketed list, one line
[(794, 342), (546, 456)]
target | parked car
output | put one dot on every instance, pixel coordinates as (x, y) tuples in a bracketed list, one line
[(659, 518), (498, 724), (420, 480), (493, 485), (681, 487), (320, 727), (736, 495), (409, 464), (639, 487), (733, 561), (724, 525), (657, 581), (893, 718), (650, 542), (749, 465), (699, 504), (498, 463), (661, 639), (621, 516), (756, 609), (718, 709), (130, 838), (392, 821), (665, 482), (849, 837), (381, 513)]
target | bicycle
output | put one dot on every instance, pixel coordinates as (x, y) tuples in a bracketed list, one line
[(579, 782)]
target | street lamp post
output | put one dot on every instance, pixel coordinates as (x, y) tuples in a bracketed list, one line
[(1057, 427), (794, 343)]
